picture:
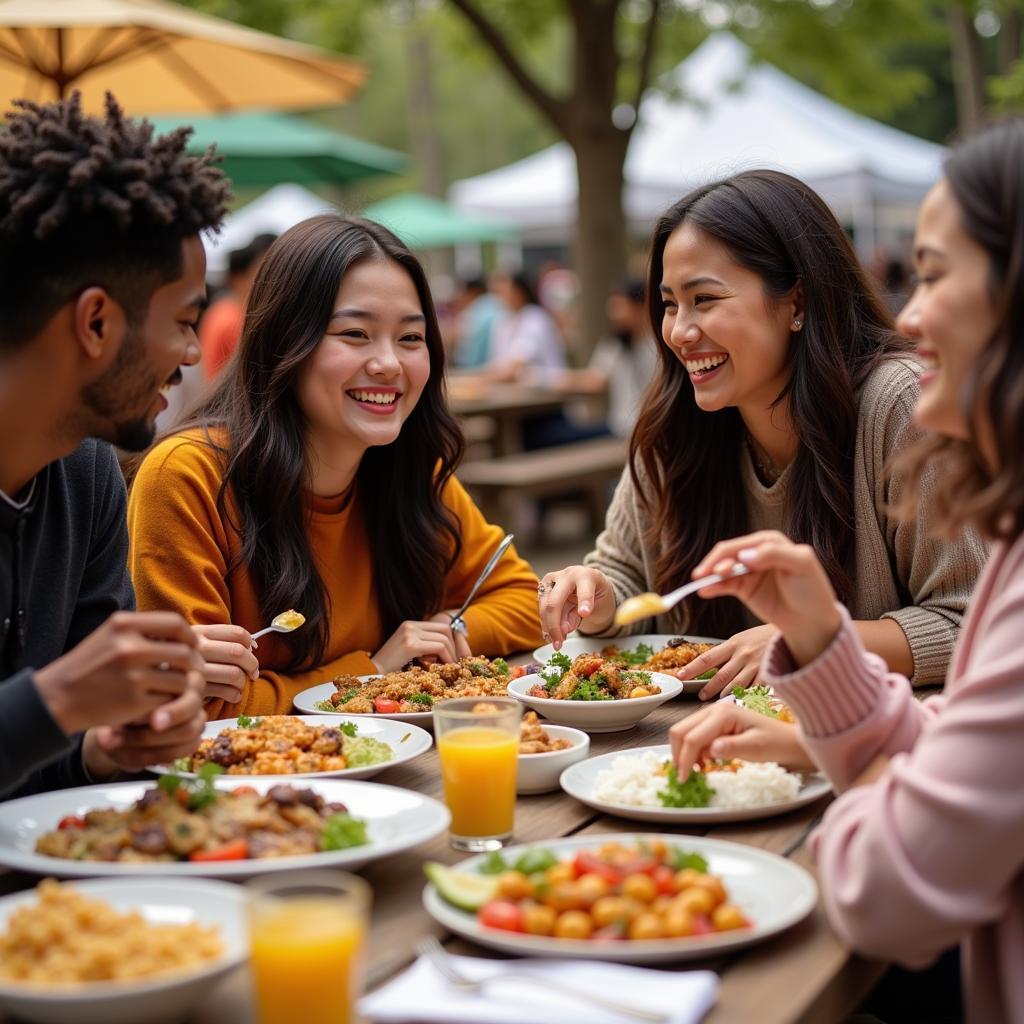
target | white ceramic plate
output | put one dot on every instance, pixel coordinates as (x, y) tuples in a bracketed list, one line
[(406, 741), (772, 892), (539, 773), (596, 715), (167, 998), (307, 701), (397, 819), (580, 780), (577, 644)]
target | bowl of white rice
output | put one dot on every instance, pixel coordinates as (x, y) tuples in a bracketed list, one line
[(628, 784)]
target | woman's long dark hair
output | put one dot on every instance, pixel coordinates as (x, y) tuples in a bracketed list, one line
[(414, 539), (779, 228), (985, 175)]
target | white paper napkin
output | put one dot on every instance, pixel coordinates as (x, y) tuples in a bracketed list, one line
[(421, 994)]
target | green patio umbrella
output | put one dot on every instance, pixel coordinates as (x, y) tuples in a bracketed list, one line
[(263, 148), (423, 222)]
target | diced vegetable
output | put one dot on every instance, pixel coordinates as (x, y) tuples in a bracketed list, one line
[(694, 792), (342, 831), (237, 849), (460, 888)]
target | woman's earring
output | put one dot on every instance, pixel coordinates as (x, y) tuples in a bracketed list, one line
[(797, 324)]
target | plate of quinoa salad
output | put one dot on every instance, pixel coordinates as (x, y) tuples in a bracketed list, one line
[(409, 695)]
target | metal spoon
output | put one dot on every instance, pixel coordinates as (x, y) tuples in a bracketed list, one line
[(458, 623), (643, 606), (283, 623)]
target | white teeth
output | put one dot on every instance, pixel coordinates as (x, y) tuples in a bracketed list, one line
[(697, 365), (376, 397), (929, 362)]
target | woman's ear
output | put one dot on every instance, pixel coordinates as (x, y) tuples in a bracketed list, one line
[(99, 324), (796, 308)]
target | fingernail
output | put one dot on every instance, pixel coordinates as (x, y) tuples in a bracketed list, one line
[(161, 720), (557, 645), (255, 646), (584, 609), (749, 555), (255, 674), (704, 694), (716, 748)]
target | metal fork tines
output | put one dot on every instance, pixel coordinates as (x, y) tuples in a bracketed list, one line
[(435, 953)]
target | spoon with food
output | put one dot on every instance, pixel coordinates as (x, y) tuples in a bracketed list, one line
[(283, 623), (647, 605)]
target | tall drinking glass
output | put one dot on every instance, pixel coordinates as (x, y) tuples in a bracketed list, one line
[(308, 933), (478, 743)]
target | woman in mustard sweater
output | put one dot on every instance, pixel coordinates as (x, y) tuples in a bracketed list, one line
[(319, 476)]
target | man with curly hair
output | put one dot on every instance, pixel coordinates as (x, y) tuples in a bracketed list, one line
[(101, 284)]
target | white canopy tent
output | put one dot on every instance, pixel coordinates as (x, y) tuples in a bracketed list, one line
[(718, 113)]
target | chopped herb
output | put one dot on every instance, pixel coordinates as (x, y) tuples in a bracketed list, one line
[(552, 673), (343, 831), (500, 665), (694, 792), (480, 668), (637, 656), (169, 783), (183, 764), (589, 690), (493, 864), (680, 859), (405, 737), (349, 694), (349, 728), (245, 722), (200, 790), (421, 698), (643, 678), (324, 705), (710, 674)]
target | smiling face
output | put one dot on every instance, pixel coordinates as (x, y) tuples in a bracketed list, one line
[(718, 320), (950, 315), (364, 379), (126, 399)]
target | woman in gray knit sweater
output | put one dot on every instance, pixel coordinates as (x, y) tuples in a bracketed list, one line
[(782, 395)]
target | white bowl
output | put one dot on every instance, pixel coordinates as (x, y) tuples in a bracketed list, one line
[(147, 1001), (577, 643), (539, 773), (596, 715)]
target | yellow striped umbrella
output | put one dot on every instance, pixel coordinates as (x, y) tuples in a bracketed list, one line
[(158, 57)]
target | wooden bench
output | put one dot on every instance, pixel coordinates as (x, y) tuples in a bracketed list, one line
[(501, 485)]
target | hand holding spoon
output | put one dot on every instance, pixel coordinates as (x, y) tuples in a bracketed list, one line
[(643, 606)]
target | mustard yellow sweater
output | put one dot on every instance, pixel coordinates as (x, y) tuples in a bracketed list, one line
[(181, 549)]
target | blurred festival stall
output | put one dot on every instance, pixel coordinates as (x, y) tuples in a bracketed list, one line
[(717, 113), (158, 57)]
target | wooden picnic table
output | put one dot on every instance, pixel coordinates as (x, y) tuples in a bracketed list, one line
[(508, 404), (803, 975)]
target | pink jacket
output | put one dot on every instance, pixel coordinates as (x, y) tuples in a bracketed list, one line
[(932, 853)]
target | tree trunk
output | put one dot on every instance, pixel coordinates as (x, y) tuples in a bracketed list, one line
[(601, 229), (1010, 38), (968, 74)]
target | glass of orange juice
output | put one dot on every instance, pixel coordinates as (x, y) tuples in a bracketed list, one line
[(307, 931), (478, 743)]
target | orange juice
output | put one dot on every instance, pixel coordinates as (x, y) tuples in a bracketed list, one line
[(307, 961), (478, 765)]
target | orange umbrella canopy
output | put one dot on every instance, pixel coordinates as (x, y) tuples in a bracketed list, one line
[(157, 57)]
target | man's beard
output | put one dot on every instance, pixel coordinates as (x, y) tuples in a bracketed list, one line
[(128, 384)]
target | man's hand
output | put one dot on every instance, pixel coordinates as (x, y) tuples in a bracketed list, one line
[(135, 667)]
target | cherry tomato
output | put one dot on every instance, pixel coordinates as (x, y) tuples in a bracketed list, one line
[(701, 925), (664, 879), (501, 914), (245, 791), (587, 863), (518, 671), (237, 849), (71, 821), (386, 706)]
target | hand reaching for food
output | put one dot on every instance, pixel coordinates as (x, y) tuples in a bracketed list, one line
[(736, 661), (571, 597), (429, 640)]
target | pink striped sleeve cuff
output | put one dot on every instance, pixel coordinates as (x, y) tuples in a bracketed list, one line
[(836, 691)]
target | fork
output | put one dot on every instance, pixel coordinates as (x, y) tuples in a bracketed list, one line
[(430, 948)]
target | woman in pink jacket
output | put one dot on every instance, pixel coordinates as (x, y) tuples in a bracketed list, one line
[(924, 846)]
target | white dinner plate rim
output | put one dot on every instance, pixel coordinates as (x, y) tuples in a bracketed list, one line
[(814, 788), (436, 820), (420, 736), (100, 888), (635, 950)]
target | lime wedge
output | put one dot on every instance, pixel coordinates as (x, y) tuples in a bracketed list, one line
[(460, 888)]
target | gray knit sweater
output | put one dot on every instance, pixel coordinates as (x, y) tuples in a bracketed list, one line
[(900, 571)]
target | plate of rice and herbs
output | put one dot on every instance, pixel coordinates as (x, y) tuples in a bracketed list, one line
[(644, 785)]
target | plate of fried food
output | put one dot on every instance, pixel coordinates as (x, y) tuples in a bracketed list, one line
[(650, 652), (593, 693), (213, 826), (632, 898), (117, 950), (409, 695), (303, 746)]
